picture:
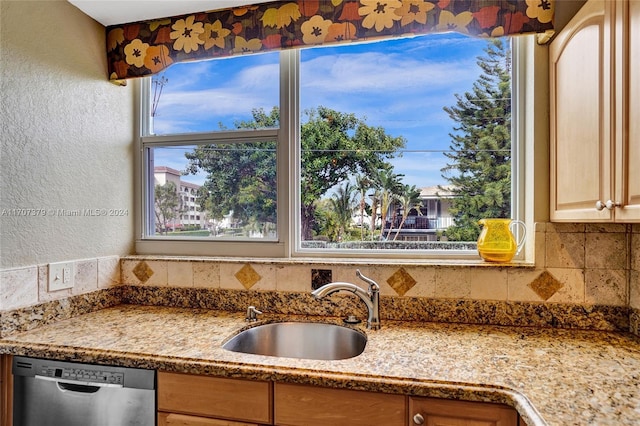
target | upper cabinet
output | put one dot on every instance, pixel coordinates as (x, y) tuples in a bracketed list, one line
[(595, 118)]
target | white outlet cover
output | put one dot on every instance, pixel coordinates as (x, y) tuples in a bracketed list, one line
[(61, 276)]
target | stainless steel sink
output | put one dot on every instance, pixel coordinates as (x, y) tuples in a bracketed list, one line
[(306, 340)]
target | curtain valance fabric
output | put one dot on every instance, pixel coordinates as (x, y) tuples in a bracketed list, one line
[(144, 48)]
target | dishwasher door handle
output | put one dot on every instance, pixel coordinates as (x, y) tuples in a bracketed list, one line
[(78, 383)]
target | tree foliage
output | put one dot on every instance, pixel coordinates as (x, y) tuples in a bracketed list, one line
[(167, 204), (241, 178), (335, 147), (479, 166)]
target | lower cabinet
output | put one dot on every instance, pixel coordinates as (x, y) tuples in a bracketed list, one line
[(6, 391), (189, 400), (444, 412), (301, 405), (172, 419)]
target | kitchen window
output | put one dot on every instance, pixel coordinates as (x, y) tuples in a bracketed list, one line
[(241, 131)]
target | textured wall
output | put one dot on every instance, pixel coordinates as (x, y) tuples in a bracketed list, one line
[(67, 139)]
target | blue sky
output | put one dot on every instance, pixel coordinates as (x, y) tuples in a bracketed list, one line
[(400, 84)]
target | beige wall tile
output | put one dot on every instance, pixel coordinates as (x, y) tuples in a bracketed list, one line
[(228, 280), (488, 284), (206, 275), (540, 248), (426, 281), (635, 252), (159, 278), (453, 283), (126, 272), (294, 277), (634, 290), (606, 287), (108, 271), (86, 276), (180, 274), (564, 250), (18, 287), (572, 290), (606, 250), (518, 281)]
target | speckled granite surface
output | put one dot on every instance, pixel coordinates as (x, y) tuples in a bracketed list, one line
[(552, 376)]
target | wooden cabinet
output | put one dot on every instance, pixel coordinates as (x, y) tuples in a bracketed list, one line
[(6, 391), (299, 405), (595, 146), (188, 400), (197, 400), (172, 419), (443, 412)]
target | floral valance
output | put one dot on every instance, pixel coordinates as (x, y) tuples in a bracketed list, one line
[(144, 48)]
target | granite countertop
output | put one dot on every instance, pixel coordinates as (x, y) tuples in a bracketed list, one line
[(551, 376)]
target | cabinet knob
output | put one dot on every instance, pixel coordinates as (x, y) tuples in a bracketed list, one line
[(609, 205), (418, 419)]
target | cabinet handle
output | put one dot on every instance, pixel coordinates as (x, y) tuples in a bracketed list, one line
[(609, 205), (418, 419)]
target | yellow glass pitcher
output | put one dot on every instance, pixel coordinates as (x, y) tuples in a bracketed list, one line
[(496, 242)]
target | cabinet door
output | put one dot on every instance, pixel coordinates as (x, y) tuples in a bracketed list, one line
[(580, 103), (628, 155), (172, 419), (234, 399), (298, 405), (442, 412), (6, 391)]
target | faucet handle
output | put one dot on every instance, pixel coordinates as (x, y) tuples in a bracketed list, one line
[(252, 314), (373, 286)]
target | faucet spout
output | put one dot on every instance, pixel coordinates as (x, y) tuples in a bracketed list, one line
[(371, 298)]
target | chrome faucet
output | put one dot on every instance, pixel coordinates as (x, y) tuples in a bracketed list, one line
[(371, 298)]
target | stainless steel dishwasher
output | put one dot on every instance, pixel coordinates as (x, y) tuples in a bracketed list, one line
[(59, 393)]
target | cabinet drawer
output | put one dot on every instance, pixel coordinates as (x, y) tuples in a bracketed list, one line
[(235, 399), (443, 412), (172, 419), (297, 405)]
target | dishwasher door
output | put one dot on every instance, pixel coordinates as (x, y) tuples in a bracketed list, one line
[(62, 393)]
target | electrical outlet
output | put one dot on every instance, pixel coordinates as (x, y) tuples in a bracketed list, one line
[(61, 276)]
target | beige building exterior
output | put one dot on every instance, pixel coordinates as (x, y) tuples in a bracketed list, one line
[(189, 215)]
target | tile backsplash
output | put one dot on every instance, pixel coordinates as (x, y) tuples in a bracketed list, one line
[(583, 264), (21, 287)]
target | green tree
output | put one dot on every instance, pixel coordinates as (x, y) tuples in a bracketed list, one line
[(167, 205), (241, 178), (343, 204), (408, 199), (363, 183), (336, 146), (389, 186), (479, 166)]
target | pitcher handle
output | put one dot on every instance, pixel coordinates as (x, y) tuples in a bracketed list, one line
[(515, 224)]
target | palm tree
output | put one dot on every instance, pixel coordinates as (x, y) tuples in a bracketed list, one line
[(409, 199), (375, 202), (363, 184), (390, 186), (343, 203)]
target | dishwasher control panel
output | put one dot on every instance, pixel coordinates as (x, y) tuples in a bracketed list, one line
[(81, 374)]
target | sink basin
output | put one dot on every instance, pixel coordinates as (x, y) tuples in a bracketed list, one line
[(306, 340)]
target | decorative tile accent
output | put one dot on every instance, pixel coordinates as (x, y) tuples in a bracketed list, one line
[(545, 285), (320, 277), (401, 281), (247, 276), (142, 271)]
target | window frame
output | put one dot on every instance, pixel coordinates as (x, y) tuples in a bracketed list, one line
[(288, 244)]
